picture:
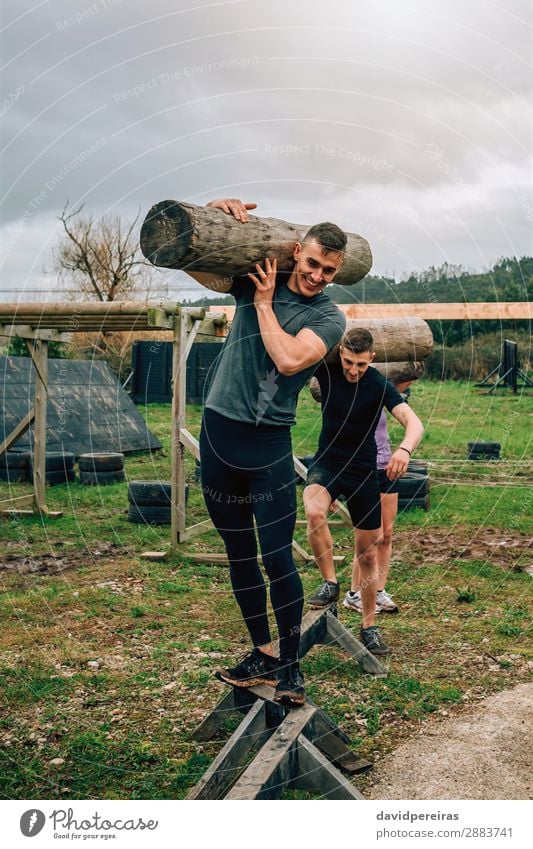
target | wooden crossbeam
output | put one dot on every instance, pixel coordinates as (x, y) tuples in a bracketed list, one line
[(503, 310), (17, 431)]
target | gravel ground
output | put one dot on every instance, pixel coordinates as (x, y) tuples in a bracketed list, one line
[(486, 754)]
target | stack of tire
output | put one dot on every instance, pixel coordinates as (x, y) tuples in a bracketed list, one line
[(414, 487), (14, 466), (101, 469), (58, 467), (149, 502), (484, 450)]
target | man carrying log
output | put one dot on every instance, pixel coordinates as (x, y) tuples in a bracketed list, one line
[(284, 324), (353, 396)]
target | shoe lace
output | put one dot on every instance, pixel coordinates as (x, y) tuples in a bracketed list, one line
[(374, 637), (325, 591)]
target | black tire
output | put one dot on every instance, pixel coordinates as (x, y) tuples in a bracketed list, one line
[(417, 467), (484, 446), (112, 462), (409, 503), (483, 455), (56, 461), (60, 476), (150, 493), (413, 486), (149, 515), (15, 460), (102, 478)]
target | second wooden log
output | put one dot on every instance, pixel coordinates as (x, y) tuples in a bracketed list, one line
[(395, 339)]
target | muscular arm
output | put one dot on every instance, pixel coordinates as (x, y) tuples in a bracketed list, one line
[(414, 430), (239, 210), (290, 354)]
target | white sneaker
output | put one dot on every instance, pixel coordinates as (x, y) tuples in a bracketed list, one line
[(354, 602), (384, 603)]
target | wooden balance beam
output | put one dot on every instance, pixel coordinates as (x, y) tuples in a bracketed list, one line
[(299, 749)]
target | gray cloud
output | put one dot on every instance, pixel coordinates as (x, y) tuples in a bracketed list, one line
[(411, 121)]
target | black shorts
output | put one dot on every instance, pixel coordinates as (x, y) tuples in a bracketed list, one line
[(386, 486), (362, 493)]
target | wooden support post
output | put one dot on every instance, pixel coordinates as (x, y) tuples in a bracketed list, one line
[(333, 742), (38, 349), (178, 421), (337, 633), (274, 767), (249, 736), (317, 774)]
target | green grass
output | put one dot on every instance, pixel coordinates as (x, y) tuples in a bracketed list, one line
[(154, 632)]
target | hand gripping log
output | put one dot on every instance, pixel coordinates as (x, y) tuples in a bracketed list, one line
[(204, 239)]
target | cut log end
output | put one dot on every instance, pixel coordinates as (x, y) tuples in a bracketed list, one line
[(166, 234)]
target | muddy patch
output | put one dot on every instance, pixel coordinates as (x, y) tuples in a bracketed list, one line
[(54, 564), (510, 551)]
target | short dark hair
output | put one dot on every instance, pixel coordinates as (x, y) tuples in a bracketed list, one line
[(329, 236), (358, 340)]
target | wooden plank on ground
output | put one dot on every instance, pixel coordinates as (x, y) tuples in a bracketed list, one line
[(7, 505)]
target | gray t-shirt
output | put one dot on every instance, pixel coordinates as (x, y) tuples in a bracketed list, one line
[(246, 386)]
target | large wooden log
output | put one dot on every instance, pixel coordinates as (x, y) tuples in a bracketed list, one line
[(199, 238), (395, 339), (395, 372)]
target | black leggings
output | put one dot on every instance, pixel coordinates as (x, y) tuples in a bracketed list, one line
[(247, 472)]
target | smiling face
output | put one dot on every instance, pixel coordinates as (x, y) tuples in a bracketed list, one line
[(314, 268), (355, 365)]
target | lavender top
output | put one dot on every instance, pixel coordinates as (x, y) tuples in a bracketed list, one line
[(383, 442)]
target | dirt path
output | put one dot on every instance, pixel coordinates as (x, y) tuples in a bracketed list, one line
[(483, 755)]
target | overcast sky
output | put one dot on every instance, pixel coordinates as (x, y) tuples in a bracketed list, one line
[(409, 123)]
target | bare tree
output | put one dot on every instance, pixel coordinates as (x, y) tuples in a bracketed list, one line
[(100, 258)]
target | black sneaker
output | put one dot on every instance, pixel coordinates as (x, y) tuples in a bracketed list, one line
[(373, 641), (255, 668), (290, 687), (325, 595)]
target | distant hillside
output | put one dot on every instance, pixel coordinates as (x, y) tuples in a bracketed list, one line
[(508, 280)]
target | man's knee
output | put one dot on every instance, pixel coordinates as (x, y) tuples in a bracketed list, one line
[(316, 515), (367, 555)]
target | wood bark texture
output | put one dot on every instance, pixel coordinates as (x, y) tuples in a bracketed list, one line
[(395, 339), (199, 238)]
